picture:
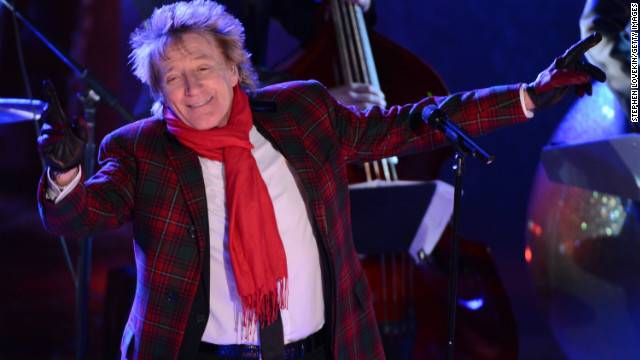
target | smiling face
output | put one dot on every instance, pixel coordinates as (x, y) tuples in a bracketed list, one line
[(197, 82)]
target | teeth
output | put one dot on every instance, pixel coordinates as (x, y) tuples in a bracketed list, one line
[(200, 104)]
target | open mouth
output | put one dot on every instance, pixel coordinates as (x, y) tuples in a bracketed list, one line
[(193, 106)]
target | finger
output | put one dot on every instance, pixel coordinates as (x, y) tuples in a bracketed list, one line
[(49, 136), (53, 104), (47, 139), (568, 77), (588, 88), (369, 90), (363, 88), (578, 49), (80, 128), (55, 128), (595, 72), (369, 98)]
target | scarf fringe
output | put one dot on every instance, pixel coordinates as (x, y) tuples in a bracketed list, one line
[(264, 307)]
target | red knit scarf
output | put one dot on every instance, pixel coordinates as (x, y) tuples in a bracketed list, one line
[(257, 254)]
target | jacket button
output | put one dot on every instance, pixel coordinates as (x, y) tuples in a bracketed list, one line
[(200, 318), (192, 232), (171, 296)]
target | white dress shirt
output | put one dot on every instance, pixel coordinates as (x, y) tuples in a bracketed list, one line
[(305, 312)]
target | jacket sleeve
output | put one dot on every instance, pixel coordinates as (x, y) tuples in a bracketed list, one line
[(101, 203), (379, 133)]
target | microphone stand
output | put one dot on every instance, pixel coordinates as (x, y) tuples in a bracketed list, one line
[(464, 145), (89, 100), (458, 169)]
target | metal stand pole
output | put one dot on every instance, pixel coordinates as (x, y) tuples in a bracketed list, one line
[(464, 144), (458, 169), (89, 101)]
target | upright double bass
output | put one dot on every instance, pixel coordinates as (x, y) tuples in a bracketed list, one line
[(410, 300)]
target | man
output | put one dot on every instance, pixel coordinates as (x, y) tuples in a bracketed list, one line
[(239, 197)]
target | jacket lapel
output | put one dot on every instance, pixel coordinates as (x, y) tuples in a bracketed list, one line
[(189, 173)]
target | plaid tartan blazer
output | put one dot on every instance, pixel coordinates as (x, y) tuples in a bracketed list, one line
[(146, 176)]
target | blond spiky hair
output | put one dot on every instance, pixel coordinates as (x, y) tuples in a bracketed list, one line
[(167, 26)]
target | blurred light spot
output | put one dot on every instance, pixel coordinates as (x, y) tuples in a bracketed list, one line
[(534, 227), (603, 212), (608, 111), (527, 254), (473, 304)]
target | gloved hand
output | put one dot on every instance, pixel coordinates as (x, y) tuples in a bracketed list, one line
[(567, 70), (61, 142)]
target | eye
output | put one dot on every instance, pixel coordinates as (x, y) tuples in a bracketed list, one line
[(203, 68)]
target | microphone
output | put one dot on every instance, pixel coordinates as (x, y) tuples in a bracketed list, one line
[(438, 119)]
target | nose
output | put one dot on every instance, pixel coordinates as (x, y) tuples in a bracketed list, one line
[(191, 84)]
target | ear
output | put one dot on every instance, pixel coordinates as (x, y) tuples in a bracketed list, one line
[(236, 76)]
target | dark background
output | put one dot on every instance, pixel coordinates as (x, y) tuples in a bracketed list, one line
[(470, 44)]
